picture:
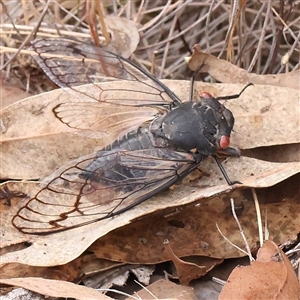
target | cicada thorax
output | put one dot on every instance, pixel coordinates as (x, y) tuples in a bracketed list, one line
[(203, 126)]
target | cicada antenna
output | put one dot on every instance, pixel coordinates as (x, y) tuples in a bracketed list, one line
[(193, 81), (235, 95)]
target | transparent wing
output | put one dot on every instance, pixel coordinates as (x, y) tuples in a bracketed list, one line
[(99, 187), (104, 118), (72, 64)]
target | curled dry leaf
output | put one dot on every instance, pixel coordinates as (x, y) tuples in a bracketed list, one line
[(186, 271), (66, 272), (47, 250), (271, 276), (226, 72), (280, 153), (30, 124), (56, 288)]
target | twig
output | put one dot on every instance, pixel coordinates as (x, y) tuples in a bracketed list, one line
[(226, 239), (241, 230), (258, 214), (29, 37)]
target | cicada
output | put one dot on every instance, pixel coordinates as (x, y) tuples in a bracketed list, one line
[(162, 139)]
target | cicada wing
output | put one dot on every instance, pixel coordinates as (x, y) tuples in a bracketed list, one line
[(100, 186), (103, 118), (72, 64)]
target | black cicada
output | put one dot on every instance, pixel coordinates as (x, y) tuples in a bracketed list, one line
[(162, 138)]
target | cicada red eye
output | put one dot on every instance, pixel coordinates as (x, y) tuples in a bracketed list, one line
[(206, 95), (224, 141)]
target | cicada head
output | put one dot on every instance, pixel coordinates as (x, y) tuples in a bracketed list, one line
[(217, 115)]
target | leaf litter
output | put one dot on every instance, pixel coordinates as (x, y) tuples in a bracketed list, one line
[(77, 241), (285, 171), (263, 175)]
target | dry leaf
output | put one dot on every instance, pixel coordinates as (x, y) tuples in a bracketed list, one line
[(67, 272), (280, 153), (208, 262), (47, 250), (106, 280), (164, 289), (92, 265), (270, 277), (186, 271), (192, 230), (56, 288), (226, 72)]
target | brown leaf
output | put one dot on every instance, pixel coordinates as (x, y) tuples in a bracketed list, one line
[(56, 288), (186, 271), (31, 125), (226, 72), (164, 289), (192, 230), (280, 153), (67, 272), (270, 277), (270, 252), (48, 250)]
